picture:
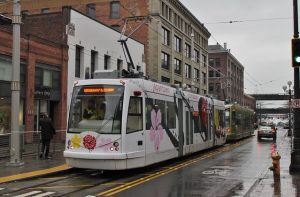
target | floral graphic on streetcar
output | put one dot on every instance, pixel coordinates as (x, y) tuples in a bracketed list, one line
[(156, 130), (75, 141), (218, 125), (89, 142)]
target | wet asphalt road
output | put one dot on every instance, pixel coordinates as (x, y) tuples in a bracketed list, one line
[(234, 173)]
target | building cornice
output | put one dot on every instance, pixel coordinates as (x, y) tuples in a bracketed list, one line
[(189, 15)]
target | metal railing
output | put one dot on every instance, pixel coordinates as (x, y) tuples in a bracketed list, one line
[(30, 143)]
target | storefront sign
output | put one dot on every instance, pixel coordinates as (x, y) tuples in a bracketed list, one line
[(42, 93)]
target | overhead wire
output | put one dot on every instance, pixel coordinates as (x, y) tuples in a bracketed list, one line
[(248, 20)]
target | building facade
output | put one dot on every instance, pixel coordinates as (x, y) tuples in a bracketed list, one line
[(249, 101), (226, 75), (51, 62), (43, 68), (175, 40)]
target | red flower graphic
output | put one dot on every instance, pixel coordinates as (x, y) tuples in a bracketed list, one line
[(89, 142)]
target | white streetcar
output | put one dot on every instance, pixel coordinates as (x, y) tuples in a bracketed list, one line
[(125, 123)]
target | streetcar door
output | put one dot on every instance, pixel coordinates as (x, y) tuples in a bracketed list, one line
[(180, 127), (135, 142)]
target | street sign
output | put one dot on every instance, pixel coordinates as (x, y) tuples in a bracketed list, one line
[(295, 103)]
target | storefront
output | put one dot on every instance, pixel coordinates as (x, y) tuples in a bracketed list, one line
[(5, 93), (47, 91)]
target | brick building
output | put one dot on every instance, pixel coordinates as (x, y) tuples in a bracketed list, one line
[(226, 75), (175, 40), (43, 68), (56, 57), (249, 101)]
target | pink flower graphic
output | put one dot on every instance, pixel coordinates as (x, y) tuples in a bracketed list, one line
[(156, 130), (105, 144)]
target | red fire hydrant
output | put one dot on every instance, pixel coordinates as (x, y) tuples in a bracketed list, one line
[(276, 163)]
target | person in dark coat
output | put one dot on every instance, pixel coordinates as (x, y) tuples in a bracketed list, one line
[(47, 132)]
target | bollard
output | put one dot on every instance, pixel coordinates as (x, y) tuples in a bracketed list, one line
[(276, 163)]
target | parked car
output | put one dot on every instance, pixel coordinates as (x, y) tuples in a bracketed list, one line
[(266, 131)]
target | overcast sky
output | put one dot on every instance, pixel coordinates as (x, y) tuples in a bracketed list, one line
[(261, 41)]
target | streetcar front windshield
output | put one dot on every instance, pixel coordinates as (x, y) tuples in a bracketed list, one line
[(96, 108)]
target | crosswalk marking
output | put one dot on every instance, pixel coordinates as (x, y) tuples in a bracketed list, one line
[(29, 194), (44, 194), (2, 189)]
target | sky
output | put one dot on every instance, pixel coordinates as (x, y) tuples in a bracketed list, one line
[(260, 40)]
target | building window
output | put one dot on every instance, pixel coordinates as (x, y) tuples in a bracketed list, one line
[(45, 10), (165, 36), (119, 64), (115, 9), (218, 73), (211, 87), (204, 59), (177, 41), (196, 55), (165, 60), (47, 78), (211, 73), (91, 10), (187, 50), (78, 61), (211, 62), (203, 78), (177, 66), (196, 74), (107, 62), (218, 62), (188, 71), (165, 79), (94, 57)]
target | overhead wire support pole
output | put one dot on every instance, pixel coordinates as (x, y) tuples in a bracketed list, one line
[(123, 39), (15, 156), (295, 154)]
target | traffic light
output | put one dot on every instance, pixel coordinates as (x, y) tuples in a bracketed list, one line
[(295, 52)]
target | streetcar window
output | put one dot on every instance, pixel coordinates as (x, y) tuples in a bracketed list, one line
[(135, 115), (171, 115), (161, 105), (149, 107)]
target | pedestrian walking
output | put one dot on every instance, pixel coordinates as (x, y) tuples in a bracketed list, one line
[(47, 132)]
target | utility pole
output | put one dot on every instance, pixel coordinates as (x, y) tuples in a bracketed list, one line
[(295, 154), (15, 159)]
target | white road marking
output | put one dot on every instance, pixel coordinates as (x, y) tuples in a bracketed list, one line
[(29, 194), (2, 189), (44, 194)]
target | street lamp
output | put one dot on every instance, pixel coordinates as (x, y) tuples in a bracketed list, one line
[(289, 83)]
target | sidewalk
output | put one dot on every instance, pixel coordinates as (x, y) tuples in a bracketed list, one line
[(288, 185), (33, 166)]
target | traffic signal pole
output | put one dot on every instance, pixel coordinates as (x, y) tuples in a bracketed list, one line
[(295, 154)]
